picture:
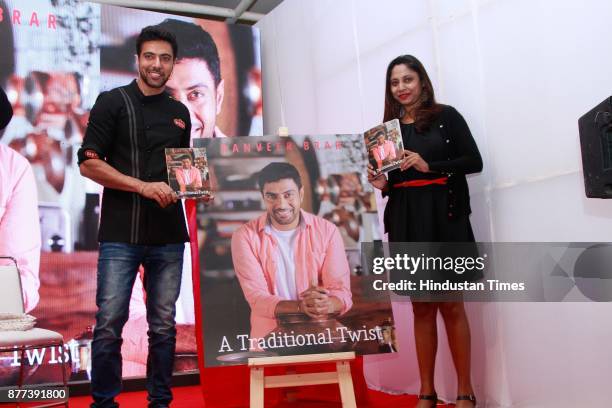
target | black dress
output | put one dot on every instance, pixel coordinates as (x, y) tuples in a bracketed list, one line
[(435, 212)]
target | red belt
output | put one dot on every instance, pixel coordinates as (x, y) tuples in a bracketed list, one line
[(421, 182)]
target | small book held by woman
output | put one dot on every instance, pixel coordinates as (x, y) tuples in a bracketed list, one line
[(384, 146)]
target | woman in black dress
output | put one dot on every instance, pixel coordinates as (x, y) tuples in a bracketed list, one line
[(429, 202)]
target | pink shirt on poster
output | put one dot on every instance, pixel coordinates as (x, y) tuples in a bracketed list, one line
[(320, 258)]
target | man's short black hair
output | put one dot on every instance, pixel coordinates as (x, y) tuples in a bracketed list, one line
[(380, 133), (156, 33), (195, 43), (278, 171)]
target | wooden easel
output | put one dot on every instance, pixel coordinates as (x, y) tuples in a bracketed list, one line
[(342, 375)]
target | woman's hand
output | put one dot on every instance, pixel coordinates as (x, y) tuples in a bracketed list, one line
[(375, 178), (413, 159)]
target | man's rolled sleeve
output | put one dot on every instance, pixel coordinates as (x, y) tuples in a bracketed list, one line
[(251, 275), (336, 271), (100, 129)]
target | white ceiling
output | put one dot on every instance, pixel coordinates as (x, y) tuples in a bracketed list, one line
[(260, 7)]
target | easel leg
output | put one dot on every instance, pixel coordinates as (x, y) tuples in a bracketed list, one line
[(345, 381), (291, 393), (257, 387)]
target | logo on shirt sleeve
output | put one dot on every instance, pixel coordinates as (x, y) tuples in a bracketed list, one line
[(91, 154), (179, 123)]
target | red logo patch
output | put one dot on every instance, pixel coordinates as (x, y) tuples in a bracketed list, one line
[(179, 123), (91, 154)]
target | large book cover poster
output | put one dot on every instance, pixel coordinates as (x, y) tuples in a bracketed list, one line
[(251, 289)]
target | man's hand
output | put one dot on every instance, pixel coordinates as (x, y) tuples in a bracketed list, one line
[(316, 302), (158, 191)]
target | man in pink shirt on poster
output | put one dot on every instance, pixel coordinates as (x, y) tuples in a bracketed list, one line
[(384, 150), (287, 260), (19, 223), (188, 176)]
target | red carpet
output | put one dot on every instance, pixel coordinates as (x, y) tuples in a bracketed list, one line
[(228, 387), (322, 396)]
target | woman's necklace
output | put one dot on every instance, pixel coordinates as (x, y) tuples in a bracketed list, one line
[(407, 119)]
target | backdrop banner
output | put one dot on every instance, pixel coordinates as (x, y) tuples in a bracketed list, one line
[(56, 56)]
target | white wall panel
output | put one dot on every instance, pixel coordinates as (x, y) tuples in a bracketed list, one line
[(550, 210), (521, 72), (556, 351), (291, 56), (332, 42), (444, 10), (388, 21), (338, 110), (374, 66)]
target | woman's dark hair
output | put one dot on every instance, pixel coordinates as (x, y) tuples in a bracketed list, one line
[(427, 108)]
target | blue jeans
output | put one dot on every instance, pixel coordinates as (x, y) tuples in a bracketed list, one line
[(118, 265)]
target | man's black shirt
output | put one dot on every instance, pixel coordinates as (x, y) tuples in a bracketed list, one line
[(130, 132), (6, 110)]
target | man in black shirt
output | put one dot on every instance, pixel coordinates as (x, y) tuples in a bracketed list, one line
[(141, 222)]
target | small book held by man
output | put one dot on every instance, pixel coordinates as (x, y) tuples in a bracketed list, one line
[(188, 172)]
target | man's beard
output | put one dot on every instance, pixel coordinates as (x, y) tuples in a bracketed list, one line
[(155, 85), (291, 217)]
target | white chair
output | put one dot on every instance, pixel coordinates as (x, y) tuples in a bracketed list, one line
[(11, 301)]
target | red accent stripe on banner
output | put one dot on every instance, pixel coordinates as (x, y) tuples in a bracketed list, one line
[(192, 225)]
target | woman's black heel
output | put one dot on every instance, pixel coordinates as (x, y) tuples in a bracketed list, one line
[(430, 397), (468, 397)]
